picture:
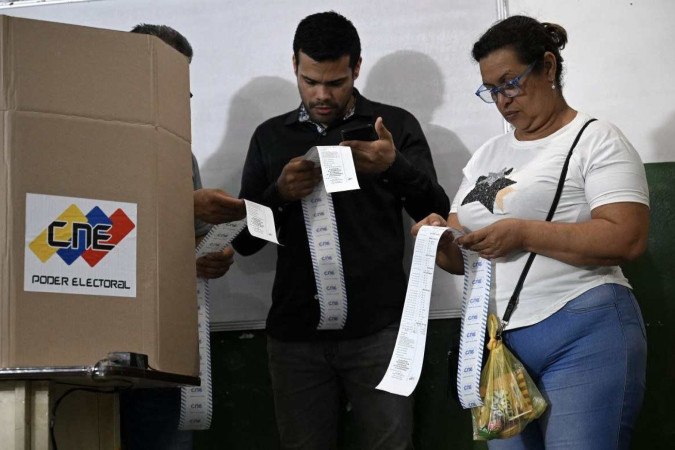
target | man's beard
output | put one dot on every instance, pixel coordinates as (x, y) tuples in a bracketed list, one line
[(337, 111)]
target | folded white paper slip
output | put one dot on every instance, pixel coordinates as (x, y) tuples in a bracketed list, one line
[(337, 167), (260, 221), (405, 366)]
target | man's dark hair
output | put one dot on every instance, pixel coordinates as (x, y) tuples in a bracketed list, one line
[(327, 36), (528, 37), (168, 35)]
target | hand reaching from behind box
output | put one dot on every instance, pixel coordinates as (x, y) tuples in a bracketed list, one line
[(215, 265), (217, 206)]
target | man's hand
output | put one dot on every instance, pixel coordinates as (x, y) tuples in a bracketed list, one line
[(216, 206), (215, 265), (298, 179), (432, 220), (448, 254), (373, 156)]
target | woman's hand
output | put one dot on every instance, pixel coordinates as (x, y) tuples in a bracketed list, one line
[(496, 240), (616, 233)]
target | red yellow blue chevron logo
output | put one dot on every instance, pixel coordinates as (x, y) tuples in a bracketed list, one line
[(74, 234)]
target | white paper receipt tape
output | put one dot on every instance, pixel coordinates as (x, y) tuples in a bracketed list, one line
[(405, 366), (324, 247), (196, 401)]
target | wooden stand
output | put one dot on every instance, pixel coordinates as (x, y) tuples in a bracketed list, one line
[(77, 406)]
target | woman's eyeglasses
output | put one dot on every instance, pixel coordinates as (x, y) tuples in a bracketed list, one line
[(509, 89)]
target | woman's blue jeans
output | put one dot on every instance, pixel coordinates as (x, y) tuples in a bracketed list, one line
[(589, 362)]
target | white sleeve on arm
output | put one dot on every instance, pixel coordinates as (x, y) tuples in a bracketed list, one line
[(615, 173)]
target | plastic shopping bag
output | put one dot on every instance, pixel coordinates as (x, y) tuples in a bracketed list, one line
[(511, 400)]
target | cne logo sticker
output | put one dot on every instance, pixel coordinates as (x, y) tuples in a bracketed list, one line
[(69, 250), (73, 234)]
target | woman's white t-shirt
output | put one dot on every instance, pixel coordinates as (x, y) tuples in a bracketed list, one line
[(507, 178)]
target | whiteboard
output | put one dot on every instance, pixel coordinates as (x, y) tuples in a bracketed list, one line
[(415, 55)]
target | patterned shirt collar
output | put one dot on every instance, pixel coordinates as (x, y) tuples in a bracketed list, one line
[(303, 116)]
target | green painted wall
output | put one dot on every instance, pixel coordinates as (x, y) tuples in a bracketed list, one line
[(653, 280), (243, 411)]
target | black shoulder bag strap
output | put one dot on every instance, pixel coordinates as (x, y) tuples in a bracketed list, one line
[(561, 183)]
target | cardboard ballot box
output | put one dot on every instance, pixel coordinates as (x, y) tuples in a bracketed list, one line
[(96, 209)]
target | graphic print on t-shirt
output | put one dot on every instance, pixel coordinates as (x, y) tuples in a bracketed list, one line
[(487, 188)]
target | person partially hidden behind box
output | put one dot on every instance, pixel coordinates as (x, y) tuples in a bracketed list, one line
[(149, 417)]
